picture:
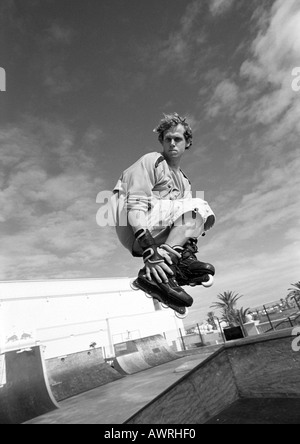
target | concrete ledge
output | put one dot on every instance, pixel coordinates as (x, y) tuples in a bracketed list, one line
[(256, 367)]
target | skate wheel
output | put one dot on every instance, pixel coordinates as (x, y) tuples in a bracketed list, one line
[(133, 286), (208, 283), (165, 306), (148, 295), (182, 316)]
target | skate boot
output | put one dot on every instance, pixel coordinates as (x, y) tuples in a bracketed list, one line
[(190, 271), (168, 293)]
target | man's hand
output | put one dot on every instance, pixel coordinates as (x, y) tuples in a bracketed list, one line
[(157, 259), (159, 270)]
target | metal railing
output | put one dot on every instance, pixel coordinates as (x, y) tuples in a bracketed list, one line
[(195, 336), (277, 315), (290, 321)]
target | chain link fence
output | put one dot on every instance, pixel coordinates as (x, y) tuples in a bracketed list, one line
[(276, 315), (269, 317)]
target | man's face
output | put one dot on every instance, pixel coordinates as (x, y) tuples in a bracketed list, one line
[(174, 143)]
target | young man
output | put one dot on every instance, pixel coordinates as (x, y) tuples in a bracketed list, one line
[(158, 219)]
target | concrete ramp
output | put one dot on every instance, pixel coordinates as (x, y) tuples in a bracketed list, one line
[(264, 370), (79, 372), (142, 354), (24, 389)]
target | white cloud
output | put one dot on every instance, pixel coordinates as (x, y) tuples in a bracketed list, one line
[(278, 47), (48, 203), (179, 48), (263, 92), (186, 50), (225, 97), (218, 7), (268, 209), (275, 52), (255, 245)]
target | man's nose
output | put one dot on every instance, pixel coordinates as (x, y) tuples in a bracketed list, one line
[(173, 142)]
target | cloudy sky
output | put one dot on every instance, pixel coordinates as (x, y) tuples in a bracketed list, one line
[(88, 80)]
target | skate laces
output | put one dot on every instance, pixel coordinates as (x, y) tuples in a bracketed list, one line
[(190, 249)]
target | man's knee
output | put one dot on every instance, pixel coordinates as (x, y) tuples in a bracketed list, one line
[(190, 219), (191, 224)]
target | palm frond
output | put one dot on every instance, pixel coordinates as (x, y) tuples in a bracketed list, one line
[(227, 303)]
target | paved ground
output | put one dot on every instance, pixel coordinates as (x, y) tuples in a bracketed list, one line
[(115, 402)]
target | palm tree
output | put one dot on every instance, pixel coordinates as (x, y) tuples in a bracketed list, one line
[(227, 305), (211, 319), (242, 314), (294, 292)]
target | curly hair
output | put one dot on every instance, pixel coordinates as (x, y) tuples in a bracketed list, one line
[(172, 120)]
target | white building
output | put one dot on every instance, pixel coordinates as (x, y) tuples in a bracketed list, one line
[(70, 315)]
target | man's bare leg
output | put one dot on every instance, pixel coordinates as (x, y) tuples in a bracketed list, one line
[(183, 240), (190, 225)]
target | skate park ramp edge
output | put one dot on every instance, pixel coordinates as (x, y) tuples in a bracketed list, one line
[(78, 373), (262, 370), (25, 392), (142, 354), (31, 386)]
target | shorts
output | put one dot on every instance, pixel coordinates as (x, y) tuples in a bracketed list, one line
[(163, 216), (166, 212)]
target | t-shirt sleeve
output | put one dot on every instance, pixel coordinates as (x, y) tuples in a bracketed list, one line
[(140, 180)]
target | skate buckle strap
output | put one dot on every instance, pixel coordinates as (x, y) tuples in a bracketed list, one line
[(147, 243), (144, 239), (152, 256), (140, 234)]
